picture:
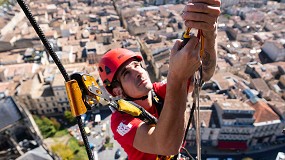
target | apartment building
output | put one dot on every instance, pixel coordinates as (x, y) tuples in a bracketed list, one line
[(19, 138), (266, 123), (236, 120)]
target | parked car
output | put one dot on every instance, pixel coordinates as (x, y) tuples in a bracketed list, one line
[(117, 154)]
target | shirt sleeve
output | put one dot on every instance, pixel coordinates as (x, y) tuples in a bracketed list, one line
[(160, 89)]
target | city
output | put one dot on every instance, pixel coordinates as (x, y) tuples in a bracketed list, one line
[(242, 107)]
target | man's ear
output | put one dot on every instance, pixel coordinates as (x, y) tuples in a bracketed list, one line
[(117, 91)]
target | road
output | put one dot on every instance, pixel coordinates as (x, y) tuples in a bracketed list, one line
[(98, 136)]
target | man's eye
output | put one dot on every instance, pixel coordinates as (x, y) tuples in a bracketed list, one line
[(125, 73)]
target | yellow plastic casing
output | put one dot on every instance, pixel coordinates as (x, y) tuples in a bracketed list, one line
[(75, 98), (202, 43), (129, 108), (187, 33)]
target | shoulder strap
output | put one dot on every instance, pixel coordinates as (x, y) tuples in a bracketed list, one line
[(158, 101), (134, 110)]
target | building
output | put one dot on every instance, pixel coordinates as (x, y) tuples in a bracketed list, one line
[(60, 96), (266, 123), (236, 120), (273, 51), (18, 132), (228, 3)]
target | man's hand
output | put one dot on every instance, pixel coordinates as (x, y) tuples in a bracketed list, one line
[(202, 14), (184, 62)]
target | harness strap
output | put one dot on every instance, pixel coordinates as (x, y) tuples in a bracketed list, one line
[(157, 101)]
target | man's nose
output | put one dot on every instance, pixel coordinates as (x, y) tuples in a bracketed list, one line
[(137, 73)]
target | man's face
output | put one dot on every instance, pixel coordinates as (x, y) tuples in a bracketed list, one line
[(134, 79)]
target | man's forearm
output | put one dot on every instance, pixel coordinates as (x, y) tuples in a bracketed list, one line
[(209, 57), (172, 119)]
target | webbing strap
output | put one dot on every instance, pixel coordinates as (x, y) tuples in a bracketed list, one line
[(158, 102)]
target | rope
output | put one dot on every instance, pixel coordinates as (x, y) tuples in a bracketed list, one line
[(59, 65), (195, 106)]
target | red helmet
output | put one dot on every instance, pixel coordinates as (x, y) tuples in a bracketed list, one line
[(111, 62)]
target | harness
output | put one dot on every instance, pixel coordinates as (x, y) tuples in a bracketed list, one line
[(135, 110), (157, 101)]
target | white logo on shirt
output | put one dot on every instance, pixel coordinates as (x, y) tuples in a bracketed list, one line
[(123, 128), (164, 81)]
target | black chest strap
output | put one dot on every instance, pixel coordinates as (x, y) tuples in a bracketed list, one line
[(157, 101)]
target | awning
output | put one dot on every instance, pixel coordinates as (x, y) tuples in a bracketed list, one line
[(232, 145)]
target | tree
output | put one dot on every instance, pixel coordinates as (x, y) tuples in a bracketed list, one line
[(46, 126), (55, 123), (69, 117), (63, 151)]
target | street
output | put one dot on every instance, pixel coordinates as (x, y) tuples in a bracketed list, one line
[(97, 138)]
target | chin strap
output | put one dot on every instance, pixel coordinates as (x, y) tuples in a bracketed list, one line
[(128, 98)]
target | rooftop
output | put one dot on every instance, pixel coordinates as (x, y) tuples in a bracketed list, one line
[(263, 113), (235, 105)]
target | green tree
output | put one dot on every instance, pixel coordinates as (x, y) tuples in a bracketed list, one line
[(46, 126), (3, 2), (55, 123), (69, 117), (63, 151)]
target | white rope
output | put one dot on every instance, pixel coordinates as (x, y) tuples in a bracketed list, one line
[(197, 114)]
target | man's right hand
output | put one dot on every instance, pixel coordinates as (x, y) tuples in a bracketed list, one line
[(184, 62)]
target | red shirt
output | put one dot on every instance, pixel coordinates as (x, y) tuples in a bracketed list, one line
[(124, 127)]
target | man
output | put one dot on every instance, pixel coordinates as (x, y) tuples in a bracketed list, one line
[(123, 76)]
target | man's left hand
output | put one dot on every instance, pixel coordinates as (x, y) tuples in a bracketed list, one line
[(202, 14)]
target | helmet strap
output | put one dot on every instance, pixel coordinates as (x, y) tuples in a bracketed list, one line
[(128, 98)]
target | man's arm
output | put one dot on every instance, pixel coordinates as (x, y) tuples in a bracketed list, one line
[(166, 137), (209, 57), (203, 14)]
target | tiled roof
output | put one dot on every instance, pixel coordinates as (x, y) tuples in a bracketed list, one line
[(263, 112), (260, 85), (20, 69), (4, 86), (224, 80), (26, 87), (279, 106), (272, 96), (234, 104)]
